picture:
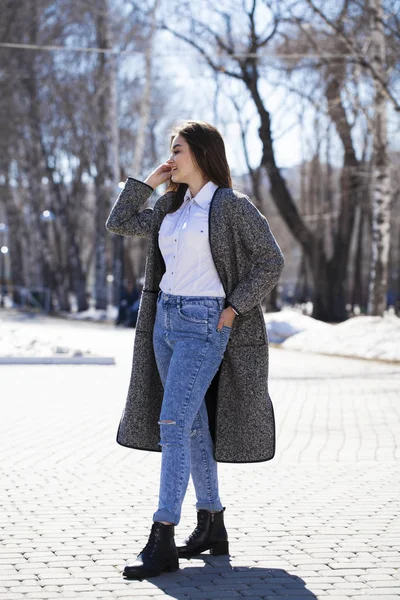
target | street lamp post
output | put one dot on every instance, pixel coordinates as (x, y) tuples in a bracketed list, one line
[(3, 252), (110, 279), (47, 217)]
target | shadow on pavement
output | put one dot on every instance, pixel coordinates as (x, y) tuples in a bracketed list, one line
[(217, 575)]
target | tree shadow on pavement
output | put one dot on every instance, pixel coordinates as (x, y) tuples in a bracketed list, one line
[(216, 577)]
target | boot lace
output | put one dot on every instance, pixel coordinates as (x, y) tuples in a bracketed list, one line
[(197, 530), (152, 542)]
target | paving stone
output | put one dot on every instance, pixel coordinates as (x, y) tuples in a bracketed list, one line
[(165, 597), (377, 577), (53, 574), (74, 587), (24, 589), (9, 580), (384, 584), (252, 594), (351, 585), (28, 566), (216, 594), (337, 597), (340, 572), (379, 592)]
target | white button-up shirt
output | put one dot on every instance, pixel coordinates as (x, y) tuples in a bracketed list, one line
[(185, 247)]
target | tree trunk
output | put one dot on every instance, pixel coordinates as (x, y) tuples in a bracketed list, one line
[(36, 158), (77, 270), (15, 236), (381, 192), (77, 273), (106, 150), (329, 276), (357, 294), (301, 291)]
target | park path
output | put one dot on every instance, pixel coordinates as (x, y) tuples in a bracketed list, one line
[(321, 520)]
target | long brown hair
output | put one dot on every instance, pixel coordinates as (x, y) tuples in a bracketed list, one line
[(208, 152)]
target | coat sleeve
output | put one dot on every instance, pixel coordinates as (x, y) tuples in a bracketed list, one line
[(265, 257), (125, 218)]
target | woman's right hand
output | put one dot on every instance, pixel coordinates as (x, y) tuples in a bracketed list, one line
[(159, 175)]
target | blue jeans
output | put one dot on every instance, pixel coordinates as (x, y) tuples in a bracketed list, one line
[(188, 349)]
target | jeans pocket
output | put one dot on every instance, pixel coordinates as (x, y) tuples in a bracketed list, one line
[(194, 313)]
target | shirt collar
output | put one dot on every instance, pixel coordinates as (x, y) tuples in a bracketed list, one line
[(204, 196)]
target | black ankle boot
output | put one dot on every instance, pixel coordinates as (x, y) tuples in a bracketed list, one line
[(210, 534), (159, 554)]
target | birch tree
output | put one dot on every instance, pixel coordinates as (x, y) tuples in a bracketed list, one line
[(381, 191)]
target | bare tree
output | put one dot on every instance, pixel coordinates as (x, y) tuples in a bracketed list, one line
[(381, 196), (374, 12), (376, 66), (106, 177), (238, 57)]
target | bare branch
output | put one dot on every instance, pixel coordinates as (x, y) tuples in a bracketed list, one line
[(203, 53), (357, 53)]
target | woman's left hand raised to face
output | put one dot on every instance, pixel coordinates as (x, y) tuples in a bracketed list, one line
[(226, 318)]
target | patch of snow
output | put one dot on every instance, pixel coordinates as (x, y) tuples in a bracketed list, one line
[(28, 341), (95, 314), (288, 322), (363, 337)]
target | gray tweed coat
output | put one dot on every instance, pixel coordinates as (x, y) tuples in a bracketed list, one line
[(249, 262)]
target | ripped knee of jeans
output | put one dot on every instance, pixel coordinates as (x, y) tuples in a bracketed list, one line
[(170, 436)]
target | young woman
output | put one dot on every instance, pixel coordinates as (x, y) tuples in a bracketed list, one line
[(198, 389)]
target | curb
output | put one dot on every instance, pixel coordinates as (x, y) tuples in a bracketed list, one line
[(50, 360), (350, 356)]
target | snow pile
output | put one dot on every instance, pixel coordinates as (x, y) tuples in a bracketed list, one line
[(33, 341), (286, 323), (94, 314), (364, 337)]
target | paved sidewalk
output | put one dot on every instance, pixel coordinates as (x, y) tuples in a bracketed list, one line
[(321, 520)]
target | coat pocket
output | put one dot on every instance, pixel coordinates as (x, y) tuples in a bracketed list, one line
[(147, 311), (249, 329)]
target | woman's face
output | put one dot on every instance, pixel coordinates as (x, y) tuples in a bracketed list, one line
[(183, 166)]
